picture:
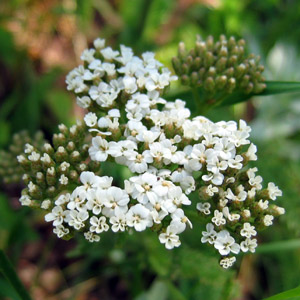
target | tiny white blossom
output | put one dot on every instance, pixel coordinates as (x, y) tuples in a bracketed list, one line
[(90, 119), (274, 191), (226, 243), (268, 220), (249, 245), (248, 230), (170, 237), (98, 225)]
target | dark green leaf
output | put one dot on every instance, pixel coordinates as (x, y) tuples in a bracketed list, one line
[(9, 273), (293, 293), (279, 246), (273, 88)]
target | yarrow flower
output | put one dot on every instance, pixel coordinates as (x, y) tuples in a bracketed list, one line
[(169, 155)]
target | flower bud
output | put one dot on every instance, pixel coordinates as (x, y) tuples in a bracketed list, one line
[(59, 140), (51, 176), (61, 154), (176, 65), (75, 157), (181, 50), (48, 149)]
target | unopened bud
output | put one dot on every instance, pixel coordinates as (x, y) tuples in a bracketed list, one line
[(75, 157), (181, 50), (51, 176), (61, 154), (209, 84)]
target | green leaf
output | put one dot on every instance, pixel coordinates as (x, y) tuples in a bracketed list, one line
[(273, 88), (287, 295), (158, 290), (279, 246), (9, 273), (280, 87), (174, 292)]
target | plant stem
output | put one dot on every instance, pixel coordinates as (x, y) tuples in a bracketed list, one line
[(197, 101), (9, 273)]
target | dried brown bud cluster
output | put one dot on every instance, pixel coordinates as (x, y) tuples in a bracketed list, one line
[(219, 67)]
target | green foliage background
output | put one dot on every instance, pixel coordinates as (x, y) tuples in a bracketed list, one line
[(33, 96)]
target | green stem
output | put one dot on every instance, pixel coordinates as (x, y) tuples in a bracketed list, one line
[(9, 273), (197, 100)]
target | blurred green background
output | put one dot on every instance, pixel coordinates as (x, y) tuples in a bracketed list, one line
[(41, 42)]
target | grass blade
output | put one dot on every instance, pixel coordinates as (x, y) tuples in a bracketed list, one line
[(9, 273)]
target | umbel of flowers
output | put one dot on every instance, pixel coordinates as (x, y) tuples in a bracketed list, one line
[(170, 157)]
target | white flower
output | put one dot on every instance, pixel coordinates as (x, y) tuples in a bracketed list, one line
[(28, 148), (88, 55), (90, 119), (76, 219), (170, 237), (248, 230), (57, 215), (139, 162), (274, 191), (143, 187), (263, 204), (229, 216), (63, 199), (63, 180), (218, 218), (89, 180), (139, 217), (115, 198), (204, 207), (91, 237), (25, 200), (64, 166), (175, 199), (99, 43), (227, 262), (180, 220), (211, 190), (188, 184), (60, 231), (118, 221), (46, 204), (249, 245), (109, 54), (130, 84), (209, 235), (98, 225), (242, 195), (250, 154), (34, 156), (215, 178), (96, 201), (99, 148), (226, 243), (268, 220), (83, 102), (78, 199), (126, 55), (254, 181), (109, 69)]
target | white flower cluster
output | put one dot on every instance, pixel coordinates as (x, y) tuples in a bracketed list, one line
[(171, 157), (109, 75)]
